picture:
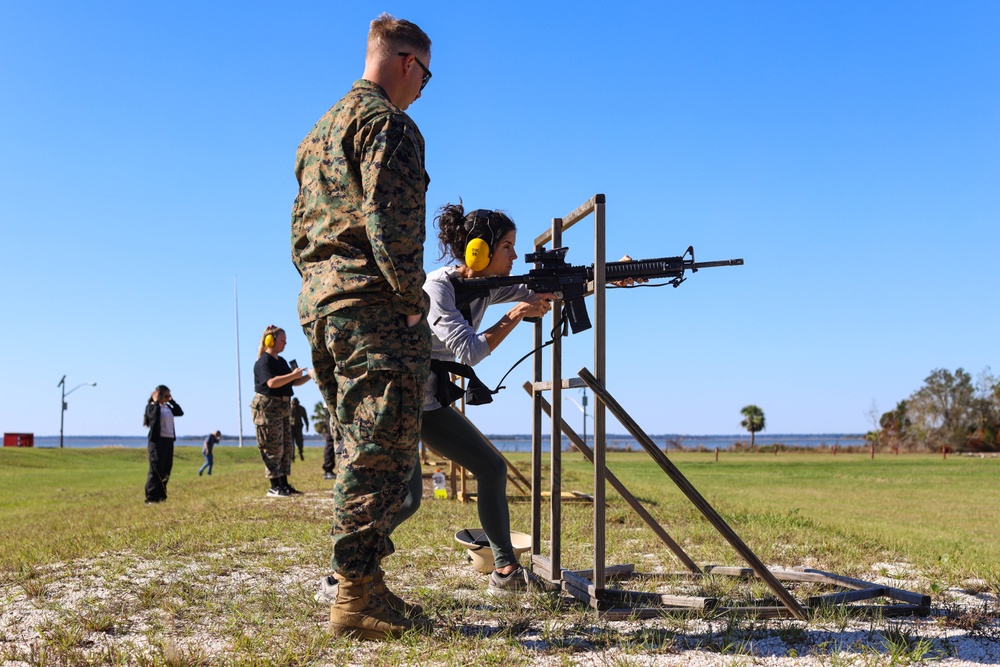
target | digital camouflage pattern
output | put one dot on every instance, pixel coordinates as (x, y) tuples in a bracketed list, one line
[(271, 416), (373, 368), (358, 230), (358, 221)]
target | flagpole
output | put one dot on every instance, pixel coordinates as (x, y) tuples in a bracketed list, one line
[(239, 383)]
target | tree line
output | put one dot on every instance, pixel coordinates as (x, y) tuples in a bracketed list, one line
[(950, 410)]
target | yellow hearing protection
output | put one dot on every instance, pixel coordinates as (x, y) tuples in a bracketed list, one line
[(477, 254), (478, 251), (269, 340)]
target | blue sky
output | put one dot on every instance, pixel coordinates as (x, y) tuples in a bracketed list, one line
[(848, 151)]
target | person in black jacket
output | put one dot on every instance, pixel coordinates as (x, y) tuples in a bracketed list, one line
[(160, 412)]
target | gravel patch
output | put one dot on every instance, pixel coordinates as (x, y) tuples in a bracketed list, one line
[(185, 611)]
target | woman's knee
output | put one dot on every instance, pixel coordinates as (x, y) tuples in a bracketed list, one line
[(495, 467)]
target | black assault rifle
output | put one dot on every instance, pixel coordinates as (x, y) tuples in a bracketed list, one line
[(570, 283)]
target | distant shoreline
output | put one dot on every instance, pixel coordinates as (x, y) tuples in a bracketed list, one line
[(522, 442)]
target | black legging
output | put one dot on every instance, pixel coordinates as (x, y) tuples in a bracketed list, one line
[(451, 435)]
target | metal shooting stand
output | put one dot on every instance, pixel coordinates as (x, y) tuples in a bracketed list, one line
[(590, 586)]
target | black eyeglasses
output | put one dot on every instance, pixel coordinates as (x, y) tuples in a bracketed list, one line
[(427, 72)]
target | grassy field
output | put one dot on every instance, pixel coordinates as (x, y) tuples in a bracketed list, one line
[(219, 562)]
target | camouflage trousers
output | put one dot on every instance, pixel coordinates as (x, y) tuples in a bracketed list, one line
[(371, 370), (274, 434)]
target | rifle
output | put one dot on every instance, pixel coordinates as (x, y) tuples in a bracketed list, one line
[(572, 283)]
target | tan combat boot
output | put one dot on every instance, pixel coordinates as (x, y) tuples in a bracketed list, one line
[(391, 600), (359, 613)]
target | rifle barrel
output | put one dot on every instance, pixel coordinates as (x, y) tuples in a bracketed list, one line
[(661, 267), (721, 262)]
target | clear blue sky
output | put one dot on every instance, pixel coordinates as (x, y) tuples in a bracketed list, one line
[(849, 151)]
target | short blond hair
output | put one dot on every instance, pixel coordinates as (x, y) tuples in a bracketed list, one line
[(389, 35)]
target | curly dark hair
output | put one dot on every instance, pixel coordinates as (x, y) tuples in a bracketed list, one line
[(456, 229)]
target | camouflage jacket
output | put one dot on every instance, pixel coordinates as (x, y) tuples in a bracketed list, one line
[(358, 221)]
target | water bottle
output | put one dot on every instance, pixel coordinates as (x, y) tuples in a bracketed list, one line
[(438, 482)]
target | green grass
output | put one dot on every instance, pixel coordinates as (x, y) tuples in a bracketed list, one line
[(219, 574)]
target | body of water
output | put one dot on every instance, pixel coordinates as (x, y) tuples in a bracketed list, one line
[(516, 443)]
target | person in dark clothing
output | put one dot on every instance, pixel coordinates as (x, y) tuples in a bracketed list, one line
[(271, 409), (160, 412), (299, 418), (206, 450)]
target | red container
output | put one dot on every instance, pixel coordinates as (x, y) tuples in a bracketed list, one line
[(18, 439)]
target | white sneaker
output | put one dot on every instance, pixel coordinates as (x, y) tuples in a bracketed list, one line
[(327, 591), (518, 581)]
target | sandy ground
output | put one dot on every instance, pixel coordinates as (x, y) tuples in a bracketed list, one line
[(962, 630)]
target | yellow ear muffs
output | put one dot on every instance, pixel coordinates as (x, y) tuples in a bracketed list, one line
[(477, 254), (269, 340)]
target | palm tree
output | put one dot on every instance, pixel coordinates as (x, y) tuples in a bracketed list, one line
[(319, 417), (753, 421)]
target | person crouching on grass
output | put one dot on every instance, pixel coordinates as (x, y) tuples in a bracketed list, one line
[(271, 408)]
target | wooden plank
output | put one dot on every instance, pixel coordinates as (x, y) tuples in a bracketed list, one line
[(600, 370), (889, 592), (571, 578), (579, 593), (844, 597), (799, 576), (627, 613), (636, 598), (536, 444), (609, 571), (571, 383), (618, 486), (541, 567), (744, 572), (575, 216), (885, 611), (581, 589), (555, 448), (708, 604), (571, 496), (696, 498)]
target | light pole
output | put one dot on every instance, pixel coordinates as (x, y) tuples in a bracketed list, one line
[(62, 412), (583, 408)]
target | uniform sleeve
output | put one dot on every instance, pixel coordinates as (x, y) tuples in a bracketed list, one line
[(395, 186), (451, 328)]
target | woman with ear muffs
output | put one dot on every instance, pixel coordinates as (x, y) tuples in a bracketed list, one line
[(271, 409)]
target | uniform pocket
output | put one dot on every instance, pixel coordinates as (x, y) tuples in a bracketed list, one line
[(257, 410), (389, 409)]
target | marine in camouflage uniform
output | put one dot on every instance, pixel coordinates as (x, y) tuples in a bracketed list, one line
[(272, 418), (357, 240)]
